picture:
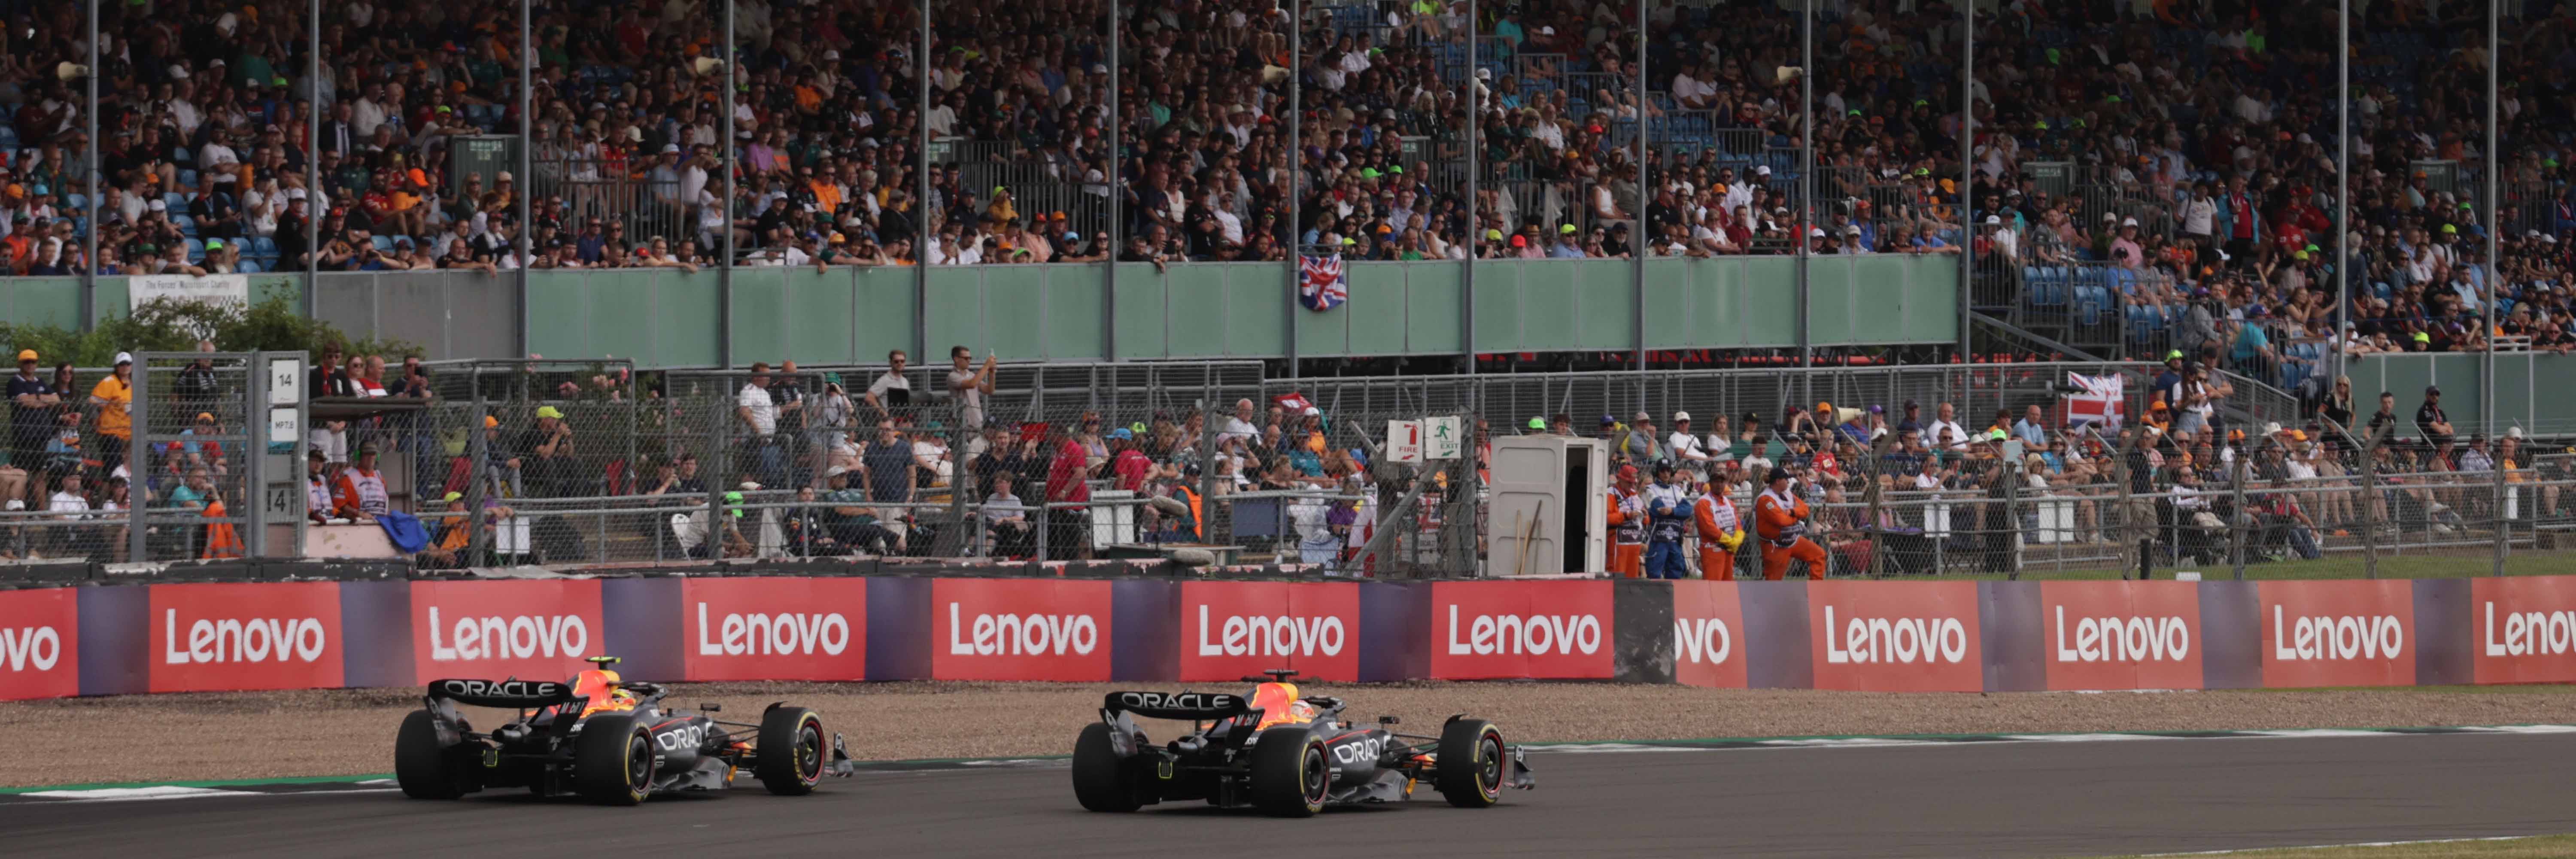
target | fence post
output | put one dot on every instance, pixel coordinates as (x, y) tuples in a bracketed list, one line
[(2236, 517), (2370, 504), (1877, 505), (2012, 535), (138, 458), (2503, 526), (719, 468), (478, 454)]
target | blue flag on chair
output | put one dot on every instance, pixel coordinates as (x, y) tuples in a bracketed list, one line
[(1325, 285)]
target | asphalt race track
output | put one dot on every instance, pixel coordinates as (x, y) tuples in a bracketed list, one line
[(1982, 799)]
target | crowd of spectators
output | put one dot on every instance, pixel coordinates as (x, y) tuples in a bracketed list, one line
[(2302, 481), (2204, 134)]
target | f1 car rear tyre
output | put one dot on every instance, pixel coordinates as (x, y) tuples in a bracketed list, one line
[(421, 765), (612, 760), (792, 750), (1469, 771), (1098, 779), (1290, 773)]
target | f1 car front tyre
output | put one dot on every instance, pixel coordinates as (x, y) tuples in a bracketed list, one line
[(1290, 773), (1469, 771), (612, 760), (791, 755), (421, 765), (1099, 779)]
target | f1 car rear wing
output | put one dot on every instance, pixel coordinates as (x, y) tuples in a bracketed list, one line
[(503, 694), (1186, 706)]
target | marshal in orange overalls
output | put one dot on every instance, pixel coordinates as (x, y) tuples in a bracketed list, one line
[(1720, 531), (1627, 519), (1780, 517)]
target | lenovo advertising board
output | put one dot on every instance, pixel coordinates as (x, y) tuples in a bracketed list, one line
[(1020, 629), (777, 628), (1896, 636), (39, 644), (1232, 630), (1557, 630), (2338, 633), (1708, 634), (2121, 635), (2525, 627), (266, 635), (527, 629)]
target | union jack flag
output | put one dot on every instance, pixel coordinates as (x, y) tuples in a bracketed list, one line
[(2101, 401), (1324, 285)]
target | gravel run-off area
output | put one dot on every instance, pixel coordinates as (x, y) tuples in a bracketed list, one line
[(351, 732)]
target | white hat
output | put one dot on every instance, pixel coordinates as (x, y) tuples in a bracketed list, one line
[(17, 504), (1314, 411), (1815, 232), (836, 471), (2515, 432), (1484, 74), (670, 148), (1679, 417), (1992, 220), (748, 486), (2129, 223), (2272, 428), (831, 55), (1547, 31), (1762, 170), (157, 205), (125, 357)]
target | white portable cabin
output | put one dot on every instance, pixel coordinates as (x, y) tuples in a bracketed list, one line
[(1546, 514)]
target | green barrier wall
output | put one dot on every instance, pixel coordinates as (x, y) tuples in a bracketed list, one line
[(663, 317), (2529, 389)]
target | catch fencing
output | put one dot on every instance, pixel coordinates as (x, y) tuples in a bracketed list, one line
[(564, 463)]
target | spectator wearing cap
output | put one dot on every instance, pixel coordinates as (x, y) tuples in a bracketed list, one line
[(1685, 446), (196, 447), (542, 462), (113, 397), (2433, 423), (35, 402), (1641, 445)]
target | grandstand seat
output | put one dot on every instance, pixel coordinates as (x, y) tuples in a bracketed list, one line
[(187, 178), (177, 202), (263, 246), (186, 224), (248, 266), (76, 202), (196, 250), (383, 244), (181, 155)]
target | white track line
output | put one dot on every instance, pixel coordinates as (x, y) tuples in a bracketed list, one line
[(2360, 844)]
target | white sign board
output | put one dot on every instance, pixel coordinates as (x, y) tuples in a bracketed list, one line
[(285, 381), (231, 290), (1404, 441), (283, 428), (1442, 439)]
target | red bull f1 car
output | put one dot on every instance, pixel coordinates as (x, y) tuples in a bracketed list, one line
[(605, 739), (1285, 755)]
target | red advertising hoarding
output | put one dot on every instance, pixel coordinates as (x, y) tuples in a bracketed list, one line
[(2338, 633), (1020, 629), (775, 628), (1708, 634), (1232, 630), (263, 635), (529, 629), (2526, 629), (2121, 635), (39, 644), (1555, 629), (1895, 636)]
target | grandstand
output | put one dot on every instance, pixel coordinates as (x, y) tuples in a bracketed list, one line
[(1087, 181)]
